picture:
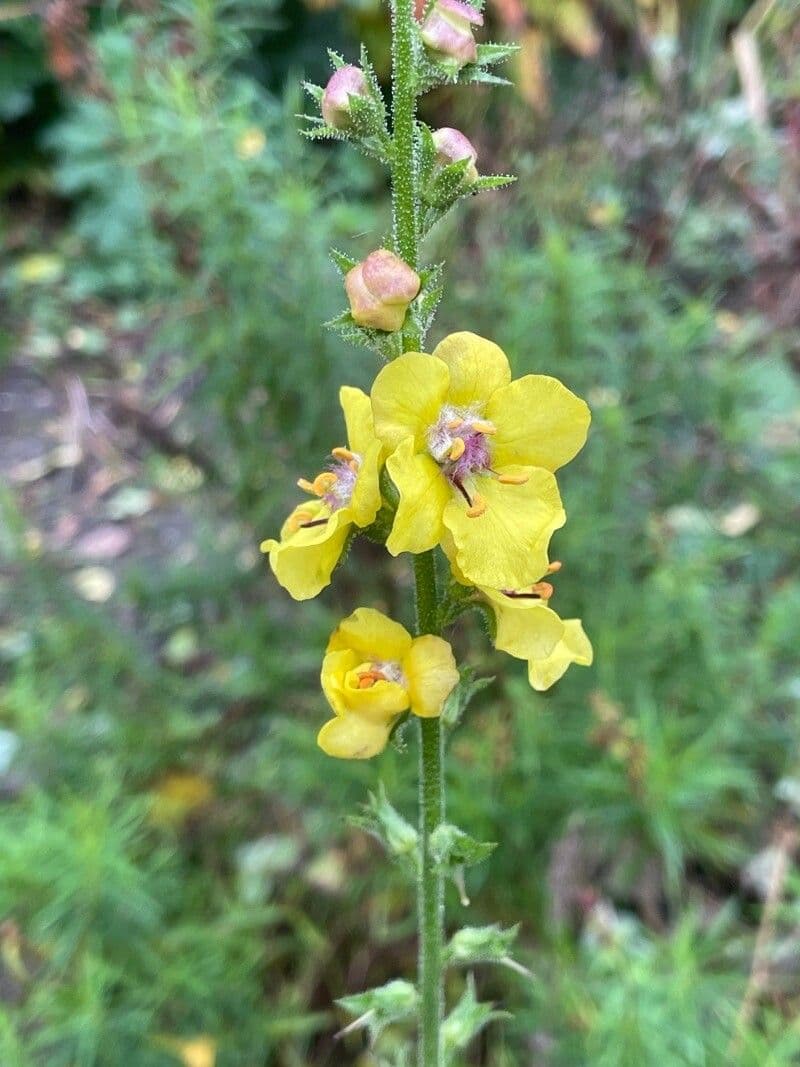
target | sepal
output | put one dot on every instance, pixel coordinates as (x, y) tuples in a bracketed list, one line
[(453, 848), (379, 818), (375, 1009), (466, 1020), (483, 944)]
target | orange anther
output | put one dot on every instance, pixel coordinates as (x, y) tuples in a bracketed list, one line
[(555, 566), (479, 426), (478, 507), (543, 589), (343, 453), (454, 424), (306, 485), (458, 447), (324, 482), (513, 479)]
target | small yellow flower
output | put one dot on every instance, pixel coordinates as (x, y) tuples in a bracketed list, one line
[(347, 494), (473, 455), (528, 629), (373, 671)]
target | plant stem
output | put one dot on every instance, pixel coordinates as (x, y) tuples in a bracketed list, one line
[(430, 889), (405, 196)]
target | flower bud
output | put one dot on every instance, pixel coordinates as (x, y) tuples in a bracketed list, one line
[(345, 82), (452, 146), (380, 290), (447, 31)]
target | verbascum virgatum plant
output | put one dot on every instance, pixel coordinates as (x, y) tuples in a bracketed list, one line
[(447, 456)]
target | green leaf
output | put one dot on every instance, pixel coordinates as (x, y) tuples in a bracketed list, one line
[(458, 701), (342, 261)]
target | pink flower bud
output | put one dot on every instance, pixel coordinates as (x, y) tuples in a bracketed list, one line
[(447, 31), (380, 290), (452, 146), (344, 83)]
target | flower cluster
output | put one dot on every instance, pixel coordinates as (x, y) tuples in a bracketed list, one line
[(471, 455)]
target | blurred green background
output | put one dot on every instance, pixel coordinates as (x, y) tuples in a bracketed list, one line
[(178, 879)]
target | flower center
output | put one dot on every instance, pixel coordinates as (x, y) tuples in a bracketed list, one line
[(379, 671), (458, 441), (334, 486)]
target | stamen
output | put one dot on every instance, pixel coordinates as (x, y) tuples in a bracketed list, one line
[(513, 479), (353, 464), (478, 507), (457, 451), (555, 566), (454, 424), (481, 426), (343, 453), (368, 678), (462, 490), (323, 483), (314, 522), (543, 589), (306, 486)]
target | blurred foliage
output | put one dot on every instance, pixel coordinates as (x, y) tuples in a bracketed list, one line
[(178, 883)]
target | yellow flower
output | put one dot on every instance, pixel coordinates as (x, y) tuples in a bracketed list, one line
[(373, 671), (472, 456), (529, 629), (347, 494)]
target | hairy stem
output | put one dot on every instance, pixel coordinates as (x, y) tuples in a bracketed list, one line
[(405, 194), (430, 891)]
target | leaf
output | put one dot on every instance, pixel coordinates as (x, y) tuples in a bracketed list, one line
[(379, 818), (342, 261), (458, 701), (466, 1020)]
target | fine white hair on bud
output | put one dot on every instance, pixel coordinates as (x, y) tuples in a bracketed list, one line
[(447, 32), (452, 146), (347, 81)]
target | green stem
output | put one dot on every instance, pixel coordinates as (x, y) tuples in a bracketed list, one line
[(405, 196), (430, 890)]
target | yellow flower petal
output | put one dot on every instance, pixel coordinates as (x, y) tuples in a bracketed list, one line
[(506, 546), (357, 410), (365, 502), (575, 647), (424, 495), (372, 635), (304, 559), (477, 368), (381, 702), (539, 422), (527, 629), (352, 737), (407, 396), (335, 667), (431, 673)]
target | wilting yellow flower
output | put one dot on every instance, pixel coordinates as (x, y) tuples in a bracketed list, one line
[(472, 456), (347, 494), (528, 629), (373, 671)]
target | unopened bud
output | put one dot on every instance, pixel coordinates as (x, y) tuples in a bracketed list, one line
[(345, 82), (452, 146), (380, 290), (447, 31)]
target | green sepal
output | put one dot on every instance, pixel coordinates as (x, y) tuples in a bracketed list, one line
[(380, 1007), (387, 345), (458, 700), (379, 818), (492, 181), (423, 307), (316, 92), (342, 261), (453, 848), (481, 944), (489, 53), (466, 1020)]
